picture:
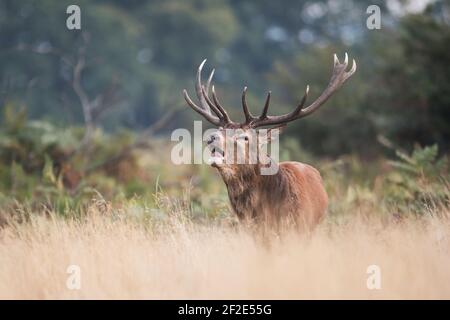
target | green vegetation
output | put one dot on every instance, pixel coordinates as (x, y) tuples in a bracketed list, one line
[(139, 55), (131, 60), (43, 170)]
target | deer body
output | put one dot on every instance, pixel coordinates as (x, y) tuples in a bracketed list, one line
[(294, 194)]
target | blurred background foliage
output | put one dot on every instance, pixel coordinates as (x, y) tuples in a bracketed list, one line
[(147, 51), (134, 57)]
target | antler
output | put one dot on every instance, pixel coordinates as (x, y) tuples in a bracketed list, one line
[(206, 105), (338, 78), (221, 118)]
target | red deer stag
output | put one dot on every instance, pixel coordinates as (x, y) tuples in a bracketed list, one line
[(295, 193)]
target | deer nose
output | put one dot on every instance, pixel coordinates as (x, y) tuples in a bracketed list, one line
[(211, 140)]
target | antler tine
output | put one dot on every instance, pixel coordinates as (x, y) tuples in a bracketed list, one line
[(299, 108), (248, 116), (204, 109), (302, 103), (208, 116), (205, 92), (208, 83), (206, 95), (338, 77), (212, 105), (198, 88), (264, 119), (219, 106), (266, 107)]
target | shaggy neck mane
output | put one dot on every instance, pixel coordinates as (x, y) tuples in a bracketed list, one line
[(248, 190)]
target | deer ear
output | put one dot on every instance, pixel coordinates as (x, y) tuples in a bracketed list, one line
[(271, 134)]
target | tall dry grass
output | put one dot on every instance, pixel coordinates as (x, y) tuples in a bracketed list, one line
[(120, 258)]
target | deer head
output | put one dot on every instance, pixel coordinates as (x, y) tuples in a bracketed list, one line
[(231, 144)]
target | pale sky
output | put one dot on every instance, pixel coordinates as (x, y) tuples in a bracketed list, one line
[(411, 6)]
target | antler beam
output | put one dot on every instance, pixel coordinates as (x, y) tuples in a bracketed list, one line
[(338, 77)]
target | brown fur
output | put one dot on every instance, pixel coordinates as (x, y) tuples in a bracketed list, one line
[(293, 196)]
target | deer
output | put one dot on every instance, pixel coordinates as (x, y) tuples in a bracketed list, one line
[(295, 195)]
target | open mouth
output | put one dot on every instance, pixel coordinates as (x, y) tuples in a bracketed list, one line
[(217, 156), (217, 153)]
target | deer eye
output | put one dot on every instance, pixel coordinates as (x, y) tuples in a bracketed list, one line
[(242, 138)]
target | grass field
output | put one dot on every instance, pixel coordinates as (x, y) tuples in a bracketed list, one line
[(177, 259), (179, 239)]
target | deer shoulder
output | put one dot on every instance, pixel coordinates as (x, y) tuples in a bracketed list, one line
[(308, 198)]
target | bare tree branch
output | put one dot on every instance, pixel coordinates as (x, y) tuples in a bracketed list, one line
[(142, 141), (92, 108)]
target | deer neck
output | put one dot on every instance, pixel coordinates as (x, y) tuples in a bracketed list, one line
[(248, 189), (239, 181)]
